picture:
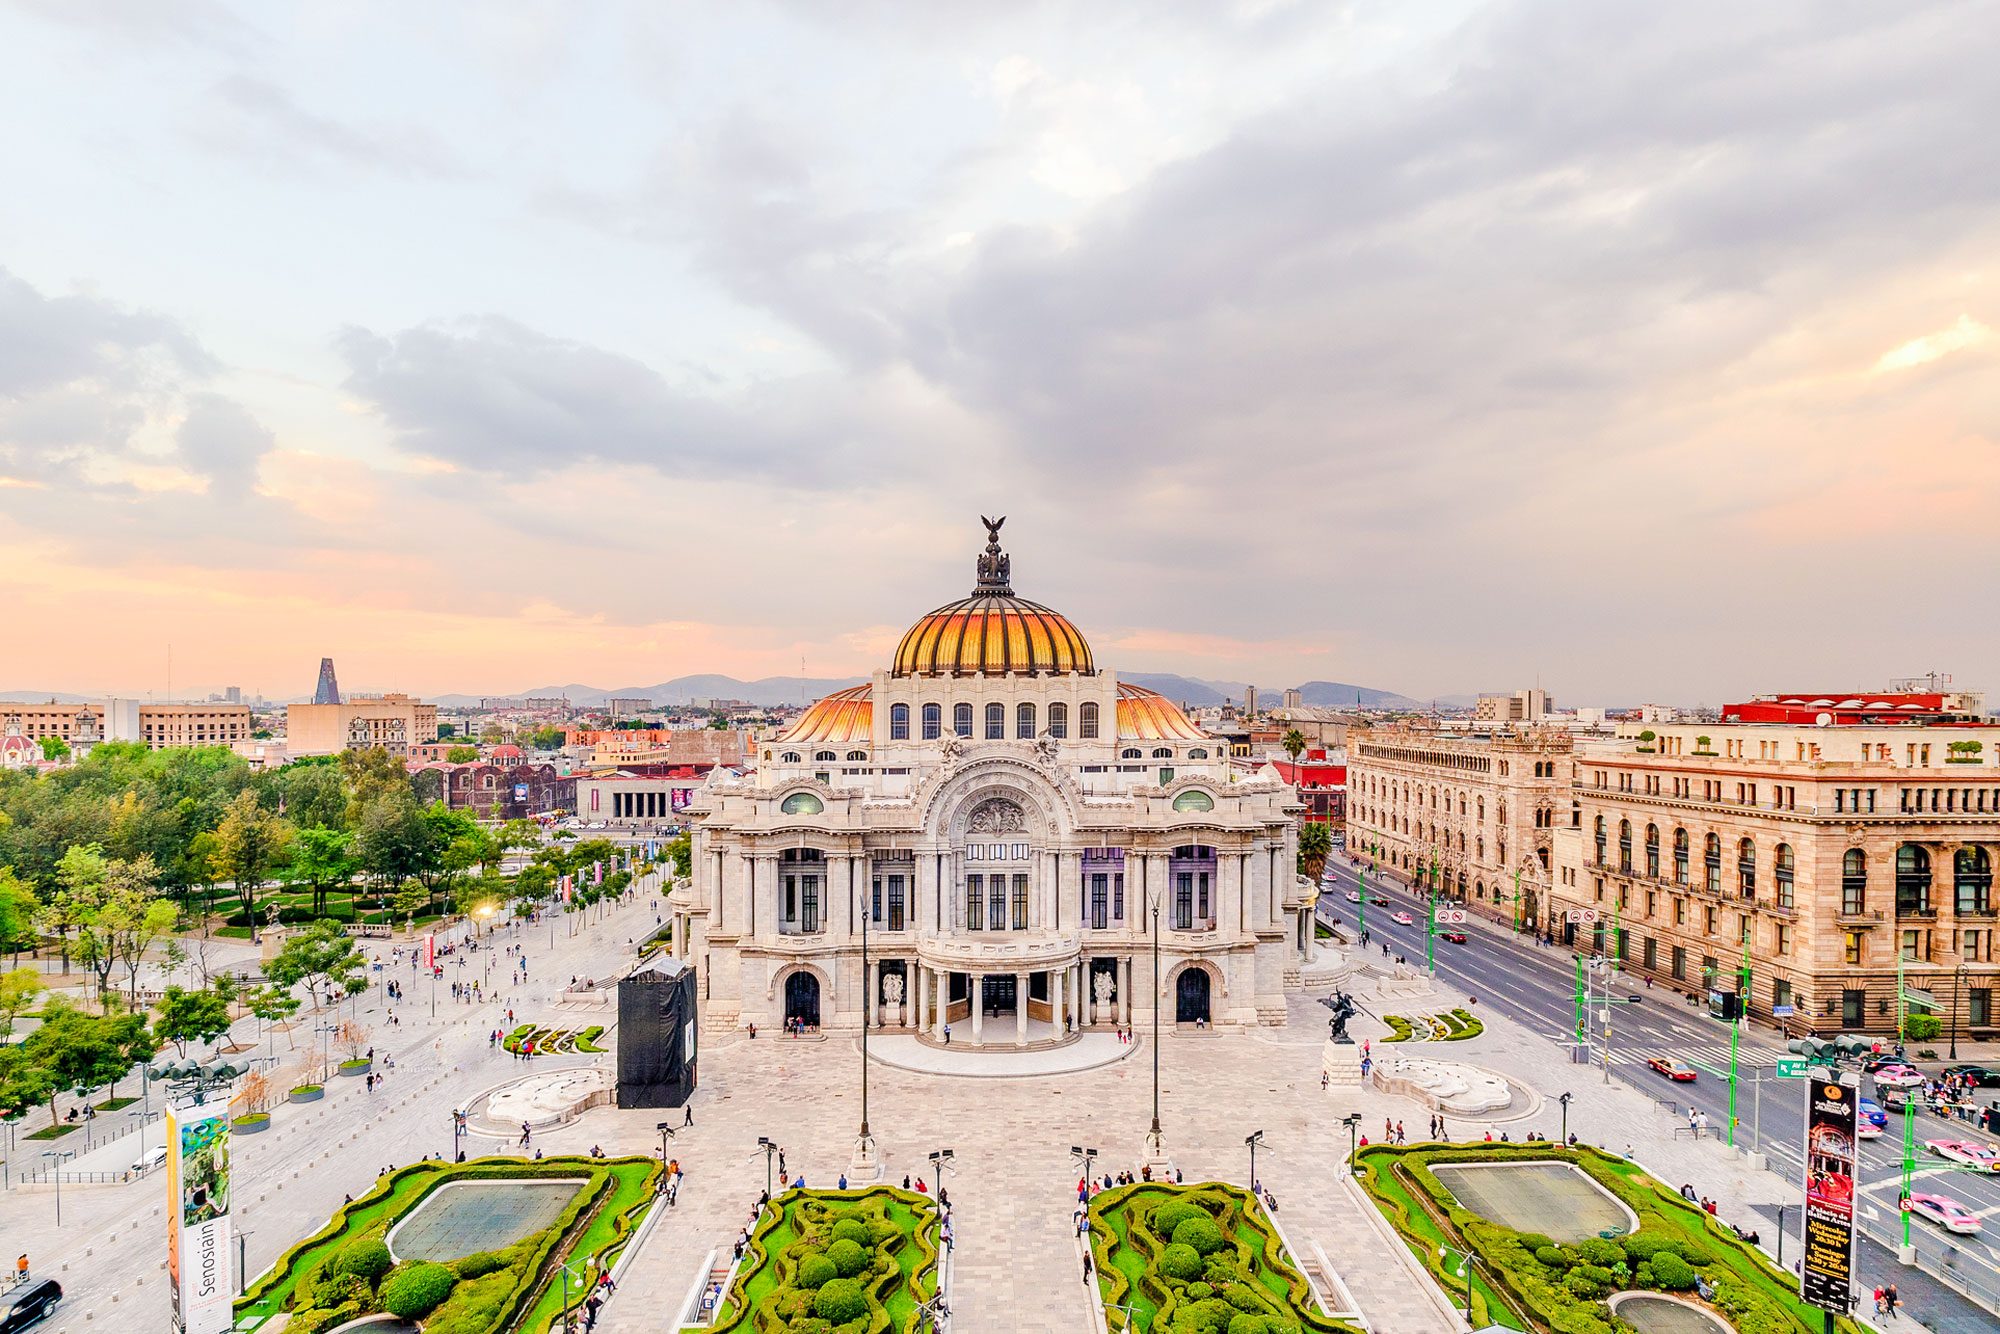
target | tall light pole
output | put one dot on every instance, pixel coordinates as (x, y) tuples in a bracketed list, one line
[(59, 1156), (864, 1150), (1154, 1147), (1255, 1138), (1353, 1123), (1564, 1100), (1431, 920), (939, 1157), (770, 1151)]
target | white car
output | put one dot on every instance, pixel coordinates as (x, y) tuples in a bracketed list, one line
[(1898, 1077), (1965, 1151), (1405, 919), (151, 1158), (1353, 897), (1946, 1212)]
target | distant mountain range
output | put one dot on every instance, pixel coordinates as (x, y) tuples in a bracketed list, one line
[(778, 690)]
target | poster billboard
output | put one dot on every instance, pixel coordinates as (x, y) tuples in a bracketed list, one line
[(1826, 1277), (198, 1218), (679, 798)]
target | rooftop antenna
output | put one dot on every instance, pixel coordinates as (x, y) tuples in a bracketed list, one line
[(170, 672)]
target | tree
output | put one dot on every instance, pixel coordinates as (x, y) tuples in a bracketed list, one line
[(80, 877), (191, 1016), (1315, 845), (1294, 743), (462, 755), (18, 908), (321, 956), (141, 924), (116, 910), (272, 1005), (79, 1051), (392, 839), (680, 851), (410, 900), (54, 748), (372, 775), (20, 988), (248, 843), (321, 858)]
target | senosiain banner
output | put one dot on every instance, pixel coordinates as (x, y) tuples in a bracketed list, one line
[(198, 1218), (1826, 1276)]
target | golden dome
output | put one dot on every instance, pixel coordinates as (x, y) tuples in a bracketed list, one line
[(1147, 715), (842, 718), (992, 632)]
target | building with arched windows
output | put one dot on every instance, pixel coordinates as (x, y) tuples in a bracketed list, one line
[(1010, 825)]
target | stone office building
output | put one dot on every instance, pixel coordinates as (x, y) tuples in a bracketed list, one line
[(1010, 825)]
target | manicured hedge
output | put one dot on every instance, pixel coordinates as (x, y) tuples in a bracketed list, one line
[(1529, 1279), (861, 1260), (1198, 1259)]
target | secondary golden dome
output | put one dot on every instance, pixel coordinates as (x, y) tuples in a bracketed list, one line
[(993, 633)]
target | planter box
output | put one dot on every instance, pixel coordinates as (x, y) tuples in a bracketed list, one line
[(246, 1126), (305, 1095), (351, 1068)]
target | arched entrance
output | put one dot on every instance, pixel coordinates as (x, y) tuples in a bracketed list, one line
[(1191, 997), (802, 999)]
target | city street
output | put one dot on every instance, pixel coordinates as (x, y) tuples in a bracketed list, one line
[(1536, 985)]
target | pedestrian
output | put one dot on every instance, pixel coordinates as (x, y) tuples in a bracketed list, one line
[(947, 1035), (1878, 1301), (1891, 1301), (1399, 1132), (690, 1115)]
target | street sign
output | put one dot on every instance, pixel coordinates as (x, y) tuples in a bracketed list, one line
[(1453, 916), (1791, 1069), (1782, 1011), (1581, 916), (1918, 996)]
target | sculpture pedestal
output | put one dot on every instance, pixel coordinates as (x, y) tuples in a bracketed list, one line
[(866, 1165), (1154, 1156), (1341, 1062)]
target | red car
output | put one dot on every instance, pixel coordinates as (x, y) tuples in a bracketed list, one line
[(1455, 937), (1678, 1071)]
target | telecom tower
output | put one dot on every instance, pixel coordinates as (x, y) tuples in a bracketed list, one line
[(329, 688)]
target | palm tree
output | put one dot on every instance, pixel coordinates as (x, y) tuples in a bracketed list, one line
[(1315, 844), (1294, 744)]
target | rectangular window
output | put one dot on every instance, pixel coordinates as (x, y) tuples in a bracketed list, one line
[(1184, 902), (1854, 947), (1100, 902), (809, 903), (1021, 908), (1781, 993), (1650, 954), (933, 722), (1784, 939), (1980, 1011), (975, 903), (898, 906), (1913, 944), (1680, 912), (875, 901), (1652, 902), (1680, 968), (1118, 895), (1708, 921)]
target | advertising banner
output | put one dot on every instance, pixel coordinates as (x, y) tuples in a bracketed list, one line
[(198, 1219), (679, 798), (1826, 1278)]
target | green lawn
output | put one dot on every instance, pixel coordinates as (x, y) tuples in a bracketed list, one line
[(799, 1225), (1202, 1253), (1527, 1282)]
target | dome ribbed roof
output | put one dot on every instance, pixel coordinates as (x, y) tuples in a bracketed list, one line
[(992, 632)]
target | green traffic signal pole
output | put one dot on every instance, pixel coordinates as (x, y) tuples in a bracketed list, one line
[(1579, 994), (1909, 1161), (1517, 900), (1431, 921)]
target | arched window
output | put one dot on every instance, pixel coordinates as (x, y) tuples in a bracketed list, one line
[(857, 754), (1059, 720), (1625, 846), (1782, 874), (1653, 851), (1913, 879), (791, 757), (961, 720), (899, 722), (1854, 883), (1479, 847), (1746, 868), (1086, 720), (996, 722), (1599, 839), (1024, 722), (1198, 754), (1972, 879), (1680, 856), (1131, 753), (1163, 752), (822, 756), (933, 722)]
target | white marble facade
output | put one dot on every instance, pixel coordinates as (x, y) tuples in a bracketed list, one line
[(1005, 871)]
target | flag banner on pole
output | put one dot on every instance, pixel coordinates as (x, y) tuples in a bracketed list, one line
[(198, 1207), (1826, 1274), (430, 951), (598, 868)]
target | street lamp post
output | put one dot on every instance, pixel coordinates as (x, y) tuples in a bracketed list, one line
[(1564, 1098), (1255, 1138), (770, 1152), (666, 1129), (938, 1157), (1957, 977), (1353, 1123), (865, 1165), (1154, 1147), (58, 1157), (1431, 921), (1465, 1270), (457, 1135), (242, 1262)]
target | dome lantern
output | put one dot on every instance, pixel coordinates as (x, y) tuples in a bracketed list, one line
[(993, 632)]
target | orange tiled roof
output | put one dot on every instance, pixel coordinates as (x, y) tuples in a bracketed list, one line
[(1150, 716)]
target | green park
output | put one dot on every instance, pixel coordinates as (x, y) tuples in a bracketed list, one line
[(852, 1262)]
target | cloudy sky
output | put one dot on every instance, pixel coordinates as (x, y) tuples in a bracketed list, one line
[(1645, 350)]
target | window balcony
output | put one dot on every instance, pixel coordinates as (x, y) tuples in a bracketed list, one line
[(1921, 912), (1859, 918)]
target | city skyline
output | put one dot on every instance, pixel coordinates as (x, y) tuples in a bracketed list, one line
[(1649, 355)]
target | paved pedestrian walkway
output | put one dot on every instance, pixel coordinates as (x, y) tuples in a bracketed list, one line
[(903, 1052)]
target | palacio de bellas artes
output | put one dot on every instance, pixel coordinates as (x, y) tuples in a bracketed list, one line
[(1012, 826)]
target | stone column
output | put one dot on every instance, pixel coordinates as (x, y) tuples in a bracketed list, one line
[(943, 1003), (1125, 991), (1062, 1001), (976, 988), (918, 993), (1021, 1009)]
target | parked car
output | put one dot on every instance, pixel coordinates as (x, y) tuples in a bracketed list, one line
[(1897, 1077), (1946, 1212), (1981, 1076), (1678, 1071), (1965, 1151), (1405, 919), (28, 1304), (1455, 937)]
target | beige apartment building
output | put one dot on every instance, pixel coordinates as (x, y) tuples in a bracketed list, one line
[(159, 726), (1823, 849), (391, 722), (166, 726), (1482, 807)]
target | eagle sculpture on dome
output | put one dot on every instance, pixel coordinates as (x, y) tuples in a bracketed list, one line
[(995, 570)]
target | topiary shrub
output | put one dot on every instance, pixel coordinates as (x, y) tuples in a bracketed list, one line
[(1172, 1214), (1248, 1324), (417, 1289), (1589, 1281), (478, 1264), (839, 1301), (1672, 1273), (1554, 1257), (1920, 1027), (1198, 1290), (852, 1229), (367, 1258), (1601, 1251), (1200, 1233), (334, 1288), (313, 1321), (816, 1270), (1180, 1261), (848, 1257)]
